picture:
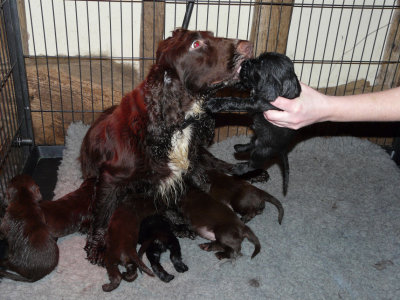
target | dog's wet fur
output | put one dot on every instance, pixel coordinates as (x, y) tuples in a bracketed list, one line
[(156, 237), (244, 198), (215, 221), (268, 76), (31, 252)]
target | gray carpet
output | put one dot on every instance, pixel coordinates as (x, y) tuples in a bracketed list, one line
[(339, 238)]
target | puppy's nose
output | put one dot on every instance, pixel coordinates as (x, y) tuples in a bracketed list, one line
[(245, 48)]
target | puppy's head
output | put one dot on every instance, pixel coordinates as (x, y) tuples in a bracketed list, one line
[(22, 188), (270, 75)]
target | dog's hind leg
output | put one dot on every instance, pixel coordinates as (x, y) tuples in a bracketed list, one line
[(115, 278), (175, 254), (131, 273), (154, 255)]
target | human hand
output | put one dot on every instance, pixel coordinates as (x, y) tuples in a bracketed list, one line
[(310, 107)]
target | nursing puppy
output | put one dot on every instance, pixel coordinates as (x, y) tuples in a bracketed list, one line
[(32, 251), (156, 237), (244, 198), (268, 76), (215, 221), (122, 238), (70, 213)]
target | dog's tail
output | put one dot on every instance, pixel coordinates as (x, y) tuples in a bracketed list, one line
[(144, 246), (271, 199), (136, 259), (249, 234), (285, 162), (14, 276)]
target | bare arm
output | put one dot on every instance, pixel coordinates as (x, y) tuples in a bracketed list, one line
[(312, 107)]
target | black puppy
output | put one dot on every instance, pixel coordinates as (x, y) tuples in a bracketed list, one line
[(156, 237), (268, 76)]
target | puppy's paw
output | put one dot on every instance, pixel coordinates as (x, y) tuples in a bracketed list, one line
[(262, 177), (205, 247), (180, 267), (108, 287), (241, 169), (166, 277), (213, 105), (129, 277), (221, 255)]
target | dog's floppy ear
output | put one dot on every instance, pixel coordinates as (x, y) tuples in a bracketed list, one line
[(270, 87), (291, 87)]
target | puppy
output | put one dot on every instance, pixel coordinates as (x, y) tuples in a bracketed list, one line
[(244, 198), (32, 252), (156, 237), (70, 213), (268, 76), (215, 221), (122, 238)]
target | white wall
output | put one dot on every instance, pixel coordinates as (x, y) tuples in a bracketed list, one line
[(315, 34)]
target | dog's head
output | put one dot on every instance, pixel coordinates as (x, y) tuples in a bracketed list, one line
[(200, 61), (270, 75), (22, 188)]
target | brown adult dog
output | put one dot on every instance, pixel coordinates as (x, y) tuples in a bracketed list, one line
[(151, 139), (70, 213), (215, 221), (32, 252), (244, 198), (122, 238)]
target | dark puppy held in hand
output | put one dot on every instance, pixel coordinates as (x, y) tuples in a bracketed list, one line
[(267, 77), (215, 221), (70, 213), (156, 237), (244, 198), (122, 238), (32, 251)]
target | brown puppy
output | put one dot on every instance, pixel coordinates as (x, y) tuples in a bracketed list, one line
[(32, 252), (244, 198), (215, 221), (70, 213), (122, 238)]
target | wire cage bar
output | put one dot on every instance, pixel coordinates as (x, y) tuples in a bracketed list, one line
[(16, 137), (74, 58)]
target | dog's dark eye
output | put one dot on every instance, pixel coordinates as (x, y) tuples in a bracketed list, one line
[(195, 44)]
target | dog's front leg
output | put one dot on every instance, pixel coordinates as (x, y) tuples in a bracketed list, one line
[(235, 104)]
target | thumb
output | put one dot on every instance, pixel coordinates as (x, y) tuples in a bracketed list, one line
[(282, 103)]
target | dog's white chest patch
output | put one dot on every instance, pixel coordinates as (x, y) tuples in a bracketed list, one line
[(179, 154)]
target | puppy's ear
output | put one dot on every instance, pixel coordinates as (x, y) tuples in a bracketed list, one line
[(271, 87), (291, 87)]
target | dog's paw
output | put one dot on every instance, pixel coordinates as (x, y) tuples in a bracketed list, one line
[(221, 255), (129, 277), (108, 287), (166, 277), (241, 169), (205, 247), (180, 267), (262, 177), (213, 105)]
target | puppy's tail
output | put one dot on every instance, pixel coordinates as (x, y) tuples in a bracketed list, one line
[(271, 199), (249, 234), (285, 162), (13, 276), (141, 265), (144, 246)]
